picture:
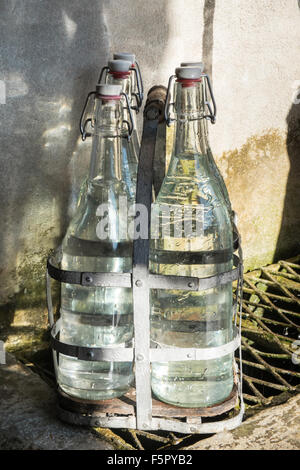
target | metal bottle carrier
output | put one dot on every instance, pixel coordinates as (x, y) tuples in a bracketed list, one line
[(138, 409)]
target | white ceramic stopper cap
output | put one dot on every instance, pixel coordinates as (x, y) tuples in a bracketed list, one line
[(125, 56), (109, 90), (193, 64), (188, 73), (119, 65)]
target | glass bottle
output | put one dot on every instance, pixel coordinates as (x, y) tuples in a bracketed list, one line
[(181, 318), (120, 74), (212, 164), (135, 77), (98, 316)]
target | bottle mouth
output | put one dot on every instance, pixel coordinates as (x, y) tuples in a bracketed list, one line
[(189, 82), (119, 68), (188, 76), (109, 97), (199, 65), (125, 56), (119, 74), (108, 92)]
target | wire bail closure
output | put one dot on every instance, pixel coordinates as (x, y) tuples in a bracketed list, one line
[(83, 123), (212, 113), (130, 125), (139, 94)]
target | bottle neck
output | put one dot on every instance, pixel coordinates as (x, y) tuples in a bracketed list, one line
[(125, 81), (122, 79), (191, 128), (106, 145)]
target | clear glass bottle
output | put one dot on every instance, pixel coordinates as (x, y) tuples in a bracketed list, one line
[(136, 89), (181, 318), (120, 74), (135, 77), (98, 316), (205, 99)]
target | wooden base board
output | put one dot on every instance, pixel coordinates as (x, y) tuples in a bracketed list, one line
[(125, 406)]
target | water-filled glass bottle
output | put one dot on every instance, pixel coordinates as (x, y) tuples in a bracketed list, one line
[(204, 127), (98, 316), (120, 74), (136, 90), (191, 319)]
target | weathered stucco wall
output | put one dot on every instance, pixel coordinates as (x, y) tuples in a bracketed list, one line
[(51, 55)]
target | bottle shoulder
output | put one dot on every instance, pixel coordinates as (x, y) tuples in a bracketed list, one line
[(102, 206), (194, 189), (194, 194)]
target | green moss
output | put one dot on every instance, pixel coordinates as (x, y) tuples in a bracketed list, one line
[(109, 436), (24, 319), (255, 176), (31, 274), (257, 150), (256, 171), (261, 338), (258, 260)]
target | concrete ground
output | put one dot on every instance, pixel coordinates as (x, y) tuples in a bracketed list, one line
[(27, 417), (276, 428), (28, 420)]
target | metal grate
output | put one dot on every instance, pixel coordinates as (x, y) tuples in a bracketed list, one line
[(270, 329)]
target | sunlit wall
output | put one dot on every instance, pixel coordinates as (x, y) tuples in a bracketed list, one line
[(51, 56)]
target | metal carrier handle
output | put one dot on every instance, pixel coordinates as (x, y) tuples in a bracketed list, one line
[(212, 112), (143, 352), (84, 122)]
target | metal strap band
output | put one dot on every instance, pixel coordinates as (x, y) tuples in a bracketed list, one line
[(80, 419), (70, 277), (163, 353), (110, 354), (235, 240), (157, 424), (156, 281), (171, 354), (106, 279), (89, 279)]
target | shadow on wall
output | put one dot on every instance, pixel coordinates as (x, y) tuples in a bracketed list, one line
[(51, 55), (288, 243), (208, 35)]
